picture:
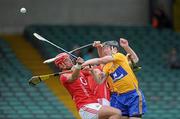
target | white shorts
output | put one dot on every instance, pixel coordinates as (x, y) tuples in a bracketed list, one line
[(90, 111), (103, 101)]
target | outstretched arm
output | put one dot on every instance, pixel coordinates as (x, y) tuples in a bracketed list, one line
[(103, 60), (76, 70), (98, 45), (124, 43), (75, 73)]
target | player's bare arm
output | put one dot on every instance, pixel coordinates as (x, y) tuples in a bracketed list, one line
[(124, 43), (94, 61), (98, 45), (76, 70), (129, 58)]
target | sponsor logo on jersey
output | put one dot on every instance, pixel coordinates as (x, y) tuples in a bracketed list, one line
[(118, 74)]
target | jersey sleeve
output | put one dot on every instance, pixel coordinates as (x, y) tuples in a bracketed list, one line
[(86, 72), (106, 70), (119, 57), (63, 79)]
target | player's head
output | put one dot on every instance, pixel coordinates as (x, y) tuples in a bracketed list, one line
[(63, 61), (110, 47)]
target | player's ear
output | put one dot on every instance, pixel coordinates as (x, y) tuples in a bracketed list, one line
[(113, 49)]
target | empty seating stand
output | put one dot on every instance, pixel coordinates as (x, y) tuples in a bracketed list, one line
[(20, 101)]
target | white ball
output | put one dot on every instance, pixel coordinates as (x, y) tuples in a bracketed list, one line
[(23, 10)]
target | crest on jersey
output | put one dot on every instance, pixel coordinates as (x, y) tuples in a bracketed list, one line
[(118, 74), (83, 81)]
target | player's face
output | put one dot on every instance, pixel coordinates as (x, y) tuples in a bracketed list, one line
[(67, 64), (107, 50)]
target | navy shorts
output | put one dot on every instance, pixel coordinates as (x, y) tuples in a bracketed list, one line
[(132, 103)]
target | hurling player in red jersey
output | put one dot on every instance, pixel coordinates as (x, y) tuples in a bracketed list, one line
[(77, 85), (100, 90)]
